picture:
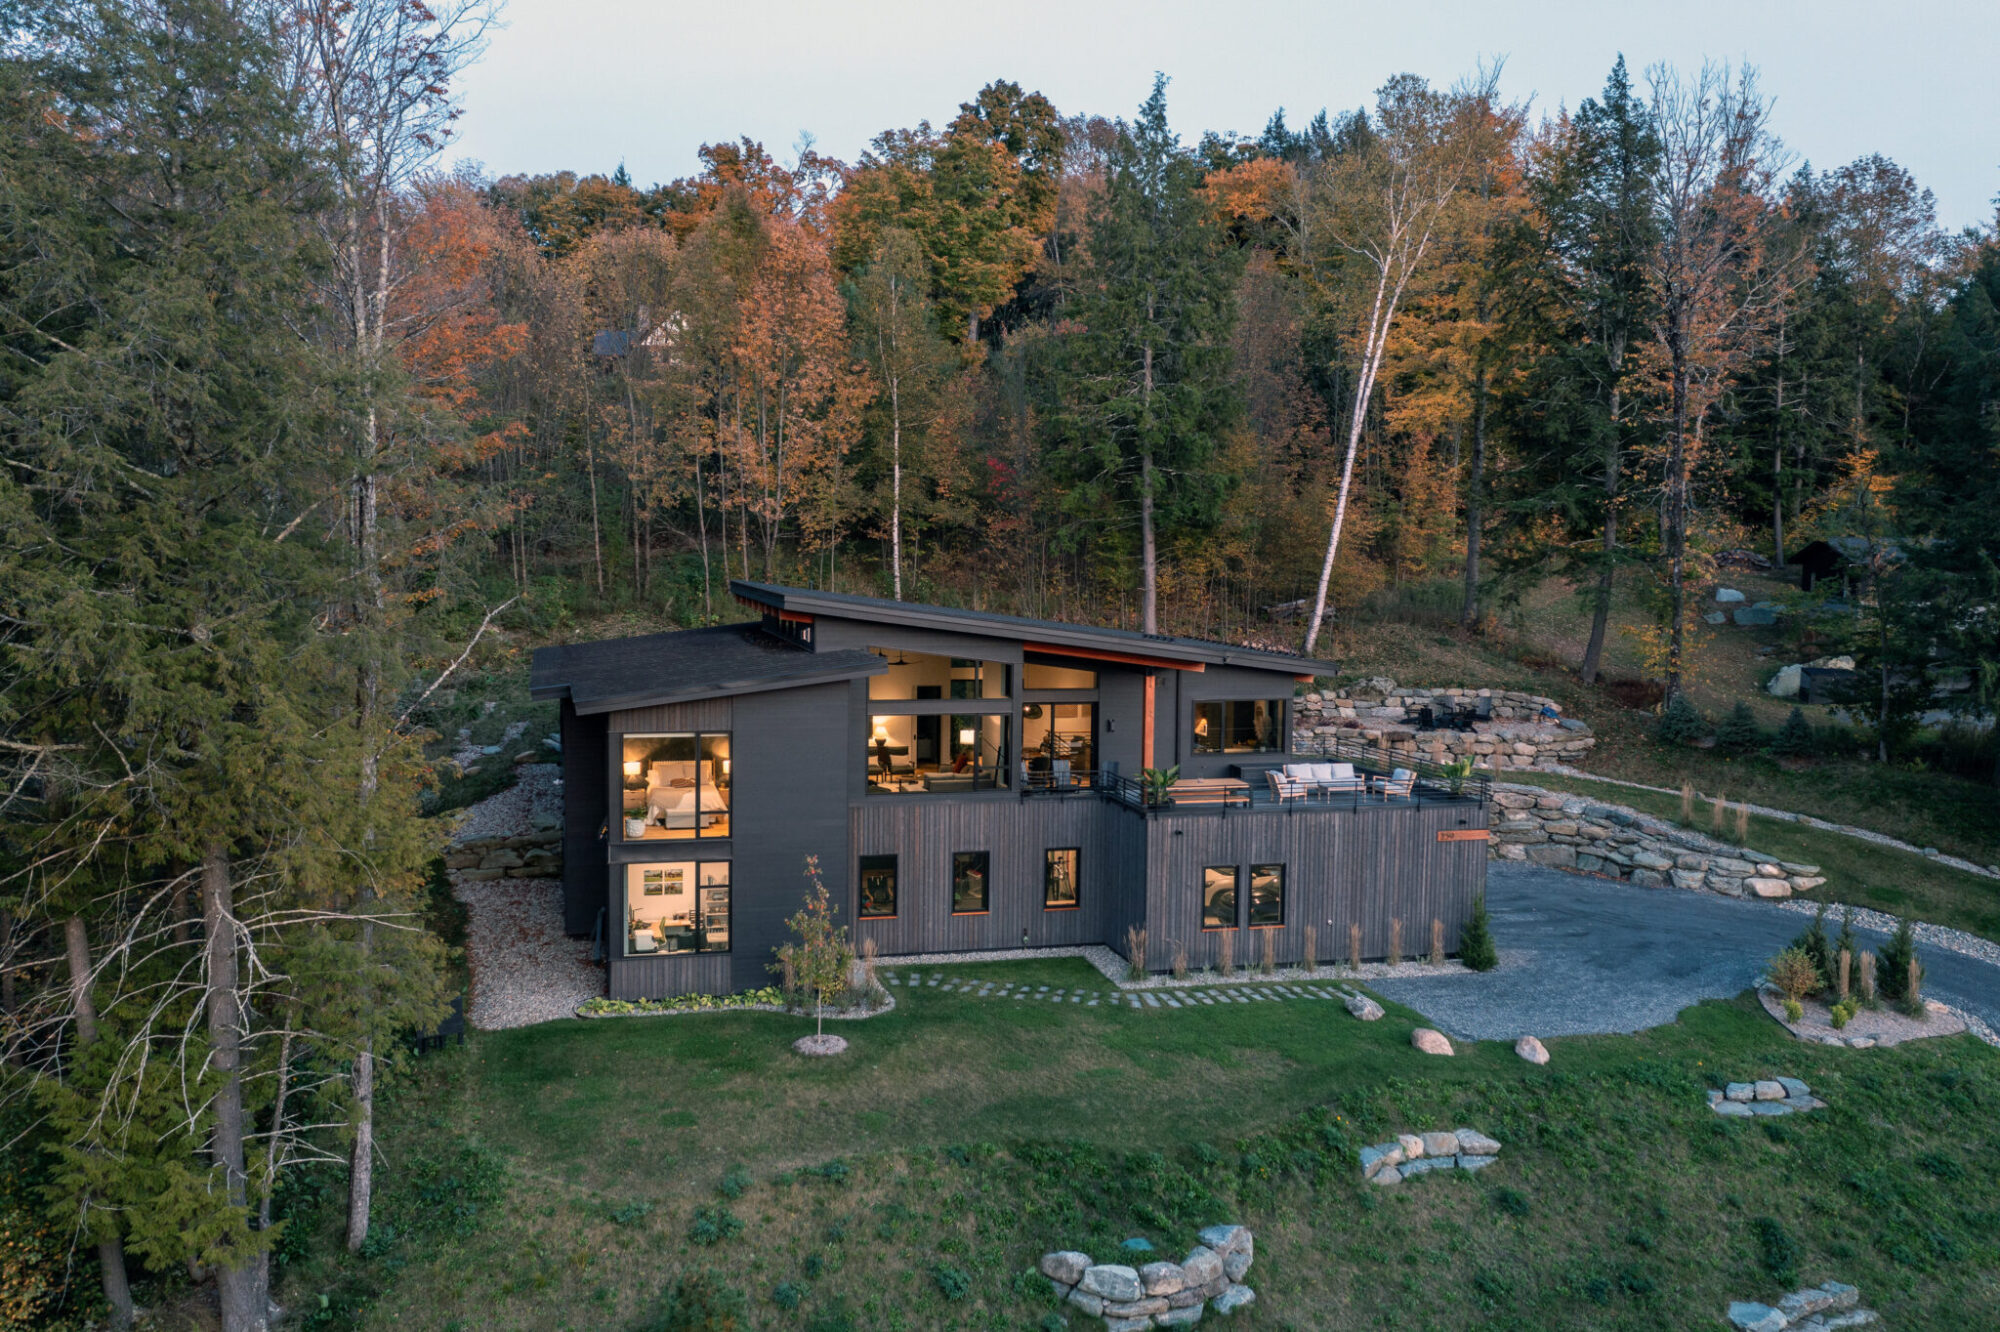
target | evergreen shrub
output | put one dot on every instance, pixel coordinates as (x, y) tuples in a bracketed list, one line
[(1680, 723), (1739, 731), (1475, 941)]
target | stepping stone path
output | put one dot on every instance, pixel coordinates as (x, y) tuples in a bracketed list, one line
[(1139, 1000), (1419, 1154), (1771, 1096), (1157, 1294), (1822, 1308)]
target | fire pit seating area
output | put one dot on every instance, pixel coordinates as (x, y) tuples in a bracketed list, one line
[(1497, 728)]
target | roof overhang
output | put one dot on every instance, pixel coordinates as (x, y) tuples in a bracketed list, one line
[(1123, 658)]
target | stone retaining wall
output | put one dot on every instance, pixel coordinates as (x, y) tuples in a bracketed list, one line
[(1571, 832), (534, 854), (1520, 735)]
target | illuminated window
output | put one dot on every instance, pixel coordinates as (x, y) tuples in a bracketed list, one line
[(1239, 726), (677, 906), (675, 786), (969, 883), (1059, 874)]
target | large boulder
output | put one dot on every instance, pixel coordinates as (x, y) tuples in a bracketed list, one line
[(1785, 684), (1201, 1266), (1531, 1050), (1225, 1240), (1066, 1266), (1112, 1281), (1363, 1007), (1236, 1297), (1474, 1143), (1440, 1144), (1163, 1278), (1430, 1041)]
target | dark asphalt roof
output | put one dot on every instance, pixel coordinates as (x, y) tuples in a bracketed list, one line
[(684, 665), (845, 605)]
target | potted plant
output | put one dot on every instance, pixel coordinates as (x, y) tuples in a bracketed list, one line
[(1457, 771), (1158, 781), (635, 821)]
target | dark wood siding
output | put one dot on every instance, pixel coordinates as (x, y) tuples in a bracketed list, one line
[(707, 714), (586, 809), (923, 833), (660, 977), (1369, 866)]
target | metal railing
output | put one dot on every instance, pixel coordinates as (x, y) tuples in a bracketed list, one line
[(1432, 782)]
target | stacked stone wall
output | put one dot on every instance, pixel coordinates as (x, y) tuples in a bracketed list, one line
[(1526, 730), (1571, 832)]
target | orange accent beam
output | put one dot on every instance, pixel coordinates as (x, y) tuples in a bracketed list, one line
[(1122, 658), (1464, 835), (794, 617), (1146, 727)]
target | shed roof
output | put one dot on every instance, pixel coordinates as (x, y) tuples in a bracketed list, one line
[(1052, 633), (684, 665)]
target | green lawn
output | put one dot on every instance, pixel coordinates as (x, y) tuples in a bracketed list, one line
[(558, 1176), (1860, 872)]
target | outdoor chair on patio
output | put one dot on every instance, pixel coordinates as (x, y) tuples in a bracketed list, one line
[(1284, 788), (1398, 784)]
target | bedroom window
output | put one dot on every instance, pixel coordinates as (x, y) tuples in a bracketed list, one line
[(675, 786)]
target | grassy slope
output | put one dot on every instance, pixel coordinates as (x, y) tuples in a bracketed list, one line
[(1536, 648), (978, 1133)]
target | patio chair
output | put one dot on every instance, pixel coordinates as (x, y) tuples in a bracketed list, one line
[(1284, 788), (1398, 784)]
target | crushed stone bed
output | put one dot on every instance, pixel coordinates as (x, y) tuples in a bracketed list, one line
[(1112, 967), (1937, 936), (524, 968)]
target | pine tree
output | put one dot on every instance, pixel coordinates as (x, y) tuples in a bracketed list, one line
[(1892, 968), (1795, 737), (1739, 731), (1680, 723), (1813, 943), (1475, 942), (1145, 385)]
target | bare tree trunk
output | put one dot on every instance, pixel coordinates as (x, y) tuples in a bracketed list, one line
[(701, 525), (1149, 576), (1378, 328), (1676, 517), (245, 1307), (6, 963), (896, 481), (1600, 616), (110, 1250), (590, 465), (361, 1161), (1475, 481)]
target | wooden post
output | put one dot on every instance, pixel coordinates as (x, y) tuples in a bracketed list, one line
[(1146, 726)]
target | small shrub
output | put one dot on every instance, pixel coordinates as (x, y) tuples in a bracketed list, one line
[(1395, 940), (713, 1225), (816, 1263), (1739, 731), (1354, 946), (1180, 960), (834, 1170), (1777, 1250), (1794, 1010), (631, 1213), (1812, 942), (954, 1283), (1716, 806), (1311, 959), (1511, 1201), (1135, 952), (1795, 738), (1687, 803), (1839, 1015), (1437, 942), (1680, 722), (1267, 961), (1225, 955), (1844, 967), (789, 1295), (1865, 989), (1475, 941), (734, 1183), (1792, 971), (697, 1303), (1742, 825)]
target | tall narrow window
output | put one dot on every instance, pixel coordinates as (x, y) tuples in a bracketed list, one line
[(878, 887), (1218, 897), (1059, 886), (1267, 895), (969, 886)]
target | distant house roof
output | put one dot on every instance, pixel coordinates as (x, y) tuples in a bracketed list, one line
[(611, 342), (1053, 634), (686, 665)]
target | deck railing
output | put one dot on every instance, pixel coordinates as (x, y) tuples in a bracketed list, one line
[(1433, 782)]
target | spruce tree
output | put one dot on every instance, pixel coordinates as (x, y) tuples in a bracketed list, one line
[(1892, 967), (1739, 731), (1475, 942), (1795, 737), (1680, 723), (1145, 388)]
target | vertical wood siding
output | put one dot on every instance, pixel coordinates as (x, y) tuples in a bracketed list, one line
[(663, 977), (706, 714), (586, 807)]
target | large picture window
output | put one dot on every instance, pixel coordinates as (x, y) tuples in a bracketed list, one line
[(1239, 726), (969, 883), (675, 786), (1218, 897), (1267, 895), (677, 906), (938, 753), (878, 887), (1059, 875)]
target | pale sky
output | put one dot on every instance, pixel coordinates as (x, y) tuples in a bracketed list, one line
[(584, 84)]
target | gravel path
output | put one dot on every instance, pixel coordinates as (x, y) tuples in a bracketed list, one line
[(1579, 955)]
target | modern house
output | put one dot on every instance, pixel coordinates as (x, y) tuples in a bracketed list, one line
[(967, 781)]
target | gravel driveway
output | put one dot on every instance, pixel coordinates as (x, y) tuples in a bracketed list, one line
[(1581, 955)]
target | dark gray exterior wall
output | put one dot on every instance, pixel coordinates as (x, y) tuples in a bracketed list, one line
[(1365, 865), (1221, 682), (586, 812)]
